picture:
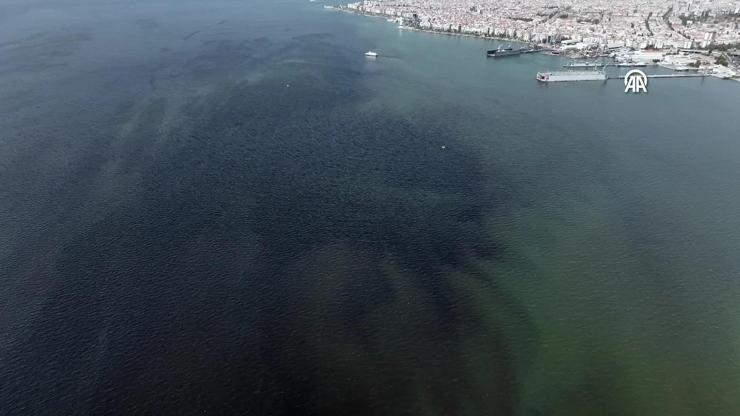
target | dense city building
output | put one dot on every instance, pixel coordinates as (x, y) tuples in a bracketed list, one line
[(578, 25)]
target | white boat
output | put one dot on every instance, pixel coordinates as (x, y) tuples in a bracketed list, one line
[(371, 54), (571, 76)]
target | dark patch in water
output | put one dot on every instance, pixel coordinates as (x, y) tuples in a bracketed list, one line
[(41, 51), (191, 34), (287, 254)]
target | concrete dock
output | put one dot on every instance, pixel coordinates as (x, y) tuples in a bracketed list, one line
[(667, 76)]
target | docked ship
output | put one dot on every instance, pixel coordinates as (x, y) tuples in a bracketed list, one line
[(631, 64), (507, 51), (582, 65), (559, 76)]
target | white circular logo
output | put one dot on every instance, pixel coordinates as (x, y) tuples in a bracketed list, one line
[(635, 81)]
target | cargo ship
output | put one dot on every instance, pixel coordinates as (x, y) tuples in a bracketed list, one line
[(559, 76)]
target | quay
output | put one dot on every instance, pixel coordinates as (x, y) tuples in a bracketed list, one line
[(560, 76), (667, 76)]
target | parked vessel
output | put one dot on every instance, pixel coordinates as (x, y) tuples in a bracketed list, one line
[(631, 64), (582, 65), (557, 76), (507, 51)]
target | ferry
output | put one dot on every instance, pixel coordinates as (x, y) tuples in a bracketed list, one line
[(558, 76)]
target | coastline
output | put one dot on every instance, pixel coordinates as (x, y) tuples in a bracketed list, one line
[(539, 48), (438, 32)]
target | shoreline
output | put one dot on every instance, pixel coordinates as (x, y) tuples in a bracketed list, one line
[(438, 32), (538, 47)]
